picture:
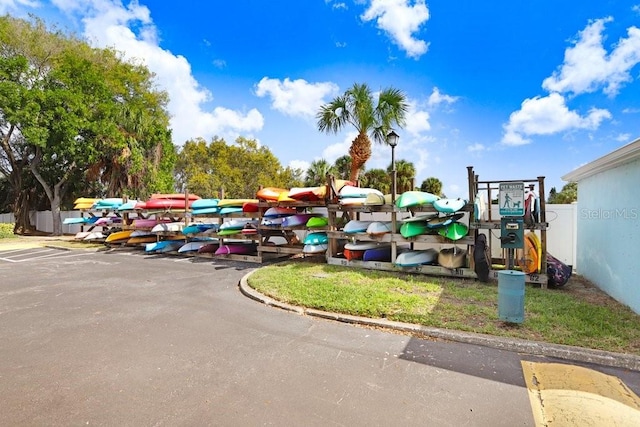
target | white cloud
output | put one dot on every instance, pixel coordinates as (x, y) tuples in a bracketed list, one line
[(400, 21), (477, 147), (299, 164), (417, 121), (588, 66), (110, 23), (545, 116), (296, 97), (636, 8), (436, 98), (631, 110), (333, 151), (623, 137), (11, 5)]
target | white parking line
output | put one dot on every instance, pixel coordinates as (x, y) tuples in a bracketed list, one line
[(48, 254)]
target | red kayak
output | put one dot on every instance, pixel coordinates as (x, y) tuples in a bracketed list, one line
[(167, 203), (179, 196)]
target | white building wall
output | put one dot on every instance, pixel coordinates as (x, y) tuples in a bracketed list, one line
[(608, 245)]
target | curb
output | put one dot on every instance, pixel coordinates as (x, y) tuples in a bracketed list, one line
[(565, 352)]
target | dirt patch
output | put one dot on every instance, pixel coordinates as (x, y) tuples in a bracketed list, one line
[(585, 290)]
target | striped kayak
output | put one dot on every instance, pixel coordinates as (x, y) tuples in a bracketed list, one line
[(415, 258)]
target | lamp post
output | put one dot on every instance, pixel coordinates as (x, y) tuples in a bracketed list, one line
[(392, 140)]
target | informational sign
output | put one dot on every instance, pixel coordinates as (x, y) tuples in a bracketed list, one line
[(511, 199)]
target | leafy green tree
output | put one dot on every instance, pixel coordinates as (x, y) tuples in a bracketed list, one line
[(405, 175), (238, 170), (356, 108), (64, 109), (317, 173), (567, 195), (378, 179), (432, 185)]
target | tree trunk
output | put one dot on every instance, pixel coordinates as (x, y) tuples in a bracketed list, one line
[(360, 152), (21, 208)]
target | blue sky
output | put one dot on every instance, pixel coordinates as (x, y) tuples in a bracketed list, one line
[(516, 89)]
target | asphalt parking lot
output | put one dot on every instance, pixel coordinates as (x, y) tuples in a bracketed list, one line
[(121, 338)]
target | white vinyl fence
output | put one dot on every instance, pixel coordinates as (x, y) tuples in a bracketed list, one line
[(561, 235)]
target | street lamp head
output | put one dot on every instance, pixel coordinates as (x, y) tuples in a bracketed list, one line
[(392, 138)]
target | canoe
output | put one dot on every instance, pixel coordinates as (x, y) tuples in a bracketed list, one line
[(83, 206), (230, 210), (352, 254), (198, 228), (415, 258), (297, 219), (415, 198), (424, 217), (414, 228), (308, 193), (250, 207), (70, 221), (278, 211), (271, 193), (193, 246), (350, 191), (117, 236), (179, 196), (128, 206), (108, 203), (209, 248), (452, 257), (273, 221), (377, 228), (168, 227), (148, 223), (81, 235), (236, 248), (237, 203), (91, 200), (363, 246), (356, 226), (353, 201), (310, 249), (237, 224), (230, 231), (316, 238), (382, 253), (108, 220), (139, 240), (204, 203), (449, 205), (164, 246), (94, 235), (166, 203), (454, 231), (139, 233), (204, 211), (284, 197), (317, 221), (442, 221)]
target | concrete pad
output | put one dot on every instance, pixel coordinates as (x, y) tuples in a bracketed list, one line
[(574, 395)]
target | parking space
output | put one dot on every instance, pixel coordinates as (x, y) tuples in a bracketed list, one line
[(25, 255)]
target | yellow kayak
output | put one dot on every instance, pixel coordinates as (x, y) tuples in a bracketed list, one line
[(118, 235)]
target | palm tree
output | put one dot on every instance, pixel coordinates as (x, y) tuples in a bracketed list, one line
[(405, 175), (356, 107), (378, 179), (317, 173), (432, 185)]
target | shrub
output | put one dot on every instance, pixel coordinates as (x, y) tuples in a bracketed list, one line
[(6, 230)]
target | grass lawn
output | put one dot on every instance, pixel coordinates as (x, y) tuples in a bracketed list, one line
[(577, 314)]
